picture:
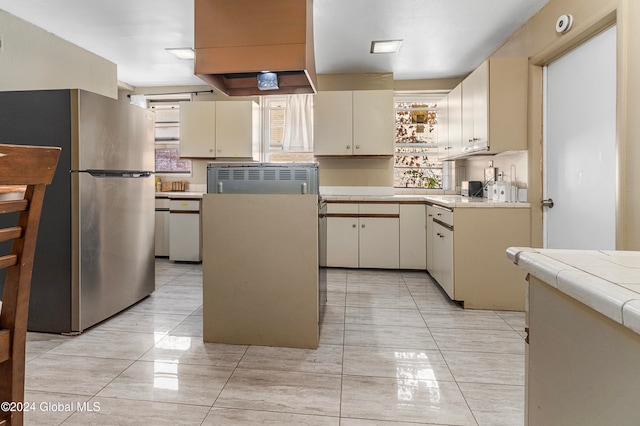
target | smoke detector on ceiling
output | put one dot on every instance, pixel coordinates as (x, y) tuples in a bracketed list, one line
[(563, 24)]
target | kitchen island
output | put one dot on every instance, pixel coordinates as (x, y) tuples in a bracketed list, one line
[(260, 269), (583, 352)]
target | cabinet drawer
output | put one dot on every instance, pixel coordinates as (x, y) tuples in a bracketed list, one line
[(162, 203), (344, 208), (443, 215), (379, 209), (183, 205)]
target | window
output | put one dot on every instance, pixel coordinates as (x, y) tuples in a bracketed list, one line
[(416, 144), (167, 133), (288, 128)]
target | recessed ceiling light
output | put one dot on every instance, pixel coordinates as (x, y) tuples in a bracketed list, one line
[(385, 46), (181, 52)]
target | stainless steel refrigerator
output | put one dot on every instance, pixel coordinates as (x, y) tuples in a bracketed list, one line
[(95, 249)]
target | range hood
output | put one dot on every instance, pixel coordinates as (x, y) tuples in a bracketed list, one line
[(236, 41)]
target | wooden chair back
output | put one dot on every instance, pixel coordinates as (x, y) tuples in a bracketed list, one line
[(31, 167)]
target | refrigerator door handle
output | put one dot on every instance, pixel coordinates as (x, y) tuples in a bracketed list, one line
[(99, 173)]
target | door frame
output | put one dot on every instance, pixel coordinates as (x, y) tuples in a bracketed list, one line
[(536, 101)]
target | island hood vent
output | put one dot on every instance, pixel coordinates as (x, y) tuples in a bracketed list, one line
[(238, 40)]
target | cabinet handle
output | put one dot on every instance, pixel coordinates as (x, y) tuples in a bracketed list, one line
[(357, 146), (348, 146), (439, 214), (440, 235), (353, 226), (430, 215), (363, 225)]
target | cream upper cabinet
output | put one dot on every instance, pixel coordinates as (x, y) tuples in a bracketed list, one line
[(493, 108), (454, 123), (333, 123), (198, 129), (373, 122), (219, 129), (353, 123)]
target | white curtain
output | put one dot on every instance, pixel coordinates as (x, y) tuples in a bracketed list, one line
[(298, 123)]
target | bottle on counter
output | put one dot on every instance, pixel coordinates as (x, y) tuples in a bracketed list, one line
[(158, 184)]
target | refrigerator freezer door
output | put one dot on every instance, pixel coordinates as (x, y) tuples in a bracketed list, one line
[(116, 245), (114, 135)]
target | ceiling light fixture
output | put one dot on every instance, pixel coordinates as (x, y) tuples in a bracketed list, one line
[(385, 46), (181, 52)]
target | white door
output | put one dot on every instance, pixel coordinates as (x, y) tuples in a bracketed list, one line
[(580, 134)]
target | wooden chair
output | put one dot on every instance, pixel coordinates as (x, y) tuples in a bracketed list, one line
[(32, 167)]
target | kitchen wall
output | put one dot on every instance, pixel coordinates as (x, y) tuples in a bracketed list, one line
[(538, 41), (473, 168), (34, 59)]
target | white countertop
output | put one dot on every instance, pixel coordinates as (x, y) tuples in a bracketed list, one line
[(606, 281), (452, 201)]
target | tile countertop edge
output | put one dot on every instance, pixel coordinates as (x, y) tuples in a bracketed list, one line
[(614, 301)]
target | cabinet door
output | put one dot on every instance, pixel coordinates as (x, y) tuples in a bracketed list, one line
[(162, 233), (379, 242), (455, 121), (333, 123), (443, 127), (413, 241), (185, 240), (373, 122), (443, 258), (468, 101), (342, 242), (197, 129), (429, 238), (234, 129), (481, 103)]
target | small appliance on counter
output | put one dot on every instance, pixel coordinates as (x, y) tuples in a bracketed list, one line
[(471, 188)]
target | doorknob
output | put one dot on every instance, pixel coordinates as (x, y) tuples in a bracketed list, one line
[(547, 203)]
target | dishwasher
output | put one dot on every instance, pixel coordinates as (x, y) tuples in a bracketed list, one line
[(185, 241)]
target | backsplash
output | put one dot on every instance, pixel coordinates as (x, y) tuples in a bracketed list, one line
[(473, 168)]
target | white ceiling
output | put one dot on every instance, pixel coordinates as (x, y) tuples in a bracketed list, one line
[(442, 38)]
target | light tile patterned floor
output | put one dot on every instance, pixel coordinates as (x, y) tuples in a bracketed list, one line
[(393, 350)]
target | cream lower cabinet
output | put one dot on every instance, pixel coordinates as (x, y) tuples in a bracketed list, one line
[(342, 242), (442, 246), (379, 242), (413, 244), (363, 235), (468, 257), (162, 227)]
